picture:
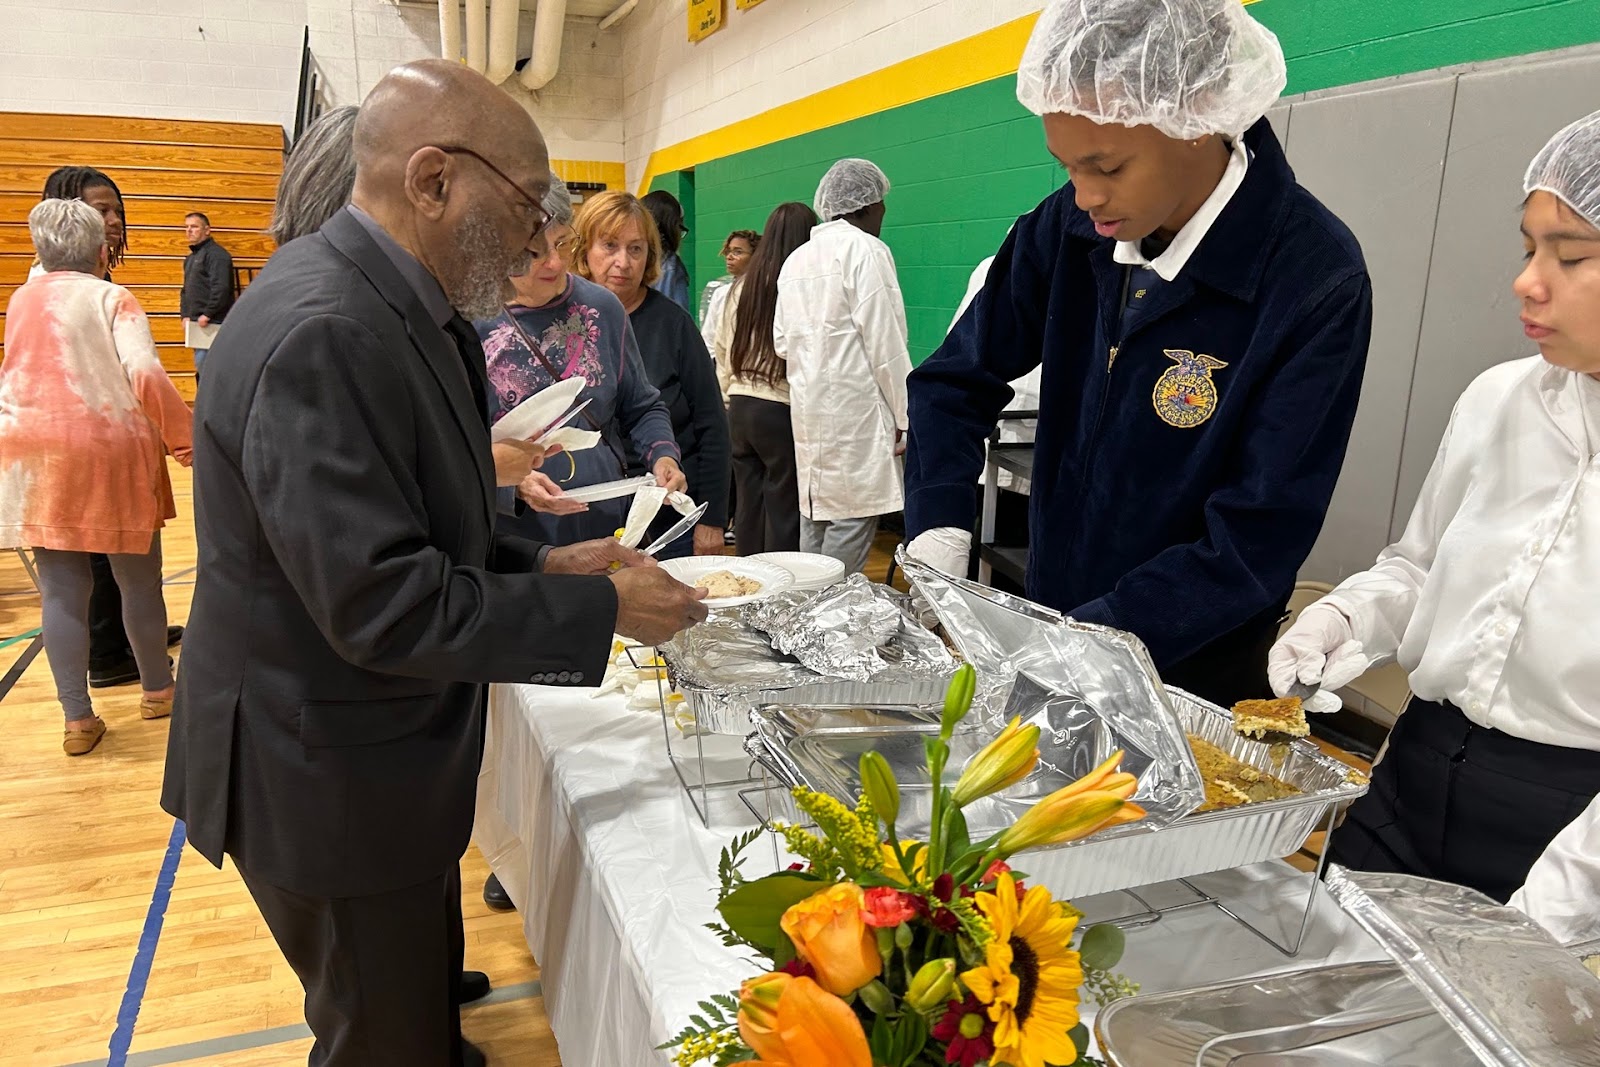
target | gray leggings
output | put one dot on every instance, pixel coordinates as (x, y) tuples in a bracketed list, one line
[(65, 582)]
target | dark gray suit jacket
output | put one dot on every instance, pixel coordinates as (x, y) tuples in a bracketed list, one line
[(353, 596)]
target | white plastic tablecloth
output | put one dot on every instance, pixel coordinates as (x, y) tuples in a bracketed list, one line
[(583, 818)]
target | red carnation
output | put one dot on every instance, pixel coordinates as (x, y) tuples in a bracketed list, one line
[(886, 906), (966, 1031)]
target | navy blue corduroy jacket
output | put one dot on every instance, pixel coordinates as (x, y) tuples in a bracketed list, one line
[(1175, 496)]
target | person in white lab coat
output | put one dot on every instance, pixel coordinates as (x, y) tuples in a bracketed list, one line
[(1491, 597), (840, 327)]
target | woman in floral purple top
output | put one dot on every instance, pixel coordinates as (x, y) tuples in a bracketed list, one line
[(560, 326)]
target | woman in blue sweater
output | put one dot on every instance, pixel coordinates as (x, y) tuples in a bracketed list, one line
[(1201, 322)]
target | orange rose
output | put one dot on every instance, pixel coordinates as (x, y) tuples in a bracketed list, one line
[(828, 933), (811, 1027)]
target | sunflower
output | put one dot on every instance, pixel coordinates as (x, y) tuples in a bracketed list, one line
[(1030, 976)]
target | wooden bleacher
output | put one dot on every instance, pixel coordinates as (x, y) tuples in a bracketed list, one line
[(165, 168)]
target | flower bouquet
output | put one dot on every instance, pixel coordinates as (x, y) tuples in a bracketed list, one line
[(891, 952)]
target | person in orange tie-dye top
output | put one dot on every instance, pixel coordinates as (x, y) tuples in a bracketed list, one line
[(87, 415)]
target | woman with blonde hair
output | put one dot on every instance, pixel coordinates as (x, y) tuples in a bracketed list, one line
[(615, 243), (84, 401)]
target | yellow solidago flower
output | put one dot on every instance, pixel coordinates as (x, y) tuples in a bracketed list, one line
[(853, 833)]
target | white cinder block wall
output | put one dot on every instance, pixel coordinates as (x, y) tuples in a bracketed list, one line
[(772, 54), (239, 61)]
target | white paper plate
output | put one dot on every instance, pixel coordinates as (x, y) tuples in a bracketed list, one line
[(589, 494), (691, 569), (811, 570), (537, 412)]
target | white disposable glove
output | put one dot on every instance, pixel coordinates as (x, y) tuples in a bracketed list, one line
[(1319, 650), (947, 549)]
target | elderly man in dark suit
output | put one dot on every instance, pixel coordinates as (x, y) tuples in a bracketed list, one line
[(353, 597)]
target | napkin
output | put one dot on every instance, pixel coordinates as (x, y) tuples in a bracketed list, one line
[(647, 503), (570, 438)]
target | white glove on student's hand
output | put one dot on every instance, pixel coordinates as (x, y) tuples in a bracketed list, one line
[(947, 549), (1319, 650)]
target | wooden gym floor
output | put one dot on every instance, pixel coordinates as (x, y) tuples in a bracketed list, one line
[(88, 961)]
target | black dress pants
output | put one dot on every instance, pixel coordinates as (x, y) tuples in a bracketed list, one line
[(381, 972), (108, 640), (1462, 803), (767, 518)]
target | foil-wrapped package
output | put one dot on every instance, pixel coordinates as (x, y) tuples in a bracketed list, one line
[(855, 630), (1515, 996)]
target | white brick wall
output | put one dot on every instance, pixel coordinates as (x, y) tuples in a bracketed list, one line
[(772, 54), (233, 60), (239, 61)]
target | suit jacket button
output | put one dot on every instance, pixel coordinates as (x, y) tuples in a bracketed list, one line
[(564, 677), (577, 677), (537, 679)]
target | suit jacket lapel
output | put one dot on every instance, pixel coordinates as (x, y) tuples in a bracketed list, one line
[(437, 348)]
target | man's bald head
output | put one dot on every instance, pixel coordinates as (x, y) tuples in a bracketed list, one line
[(454, 170)]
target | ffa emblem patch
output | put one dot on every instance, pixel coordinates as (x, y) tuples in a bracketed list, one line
[(1185, 396)]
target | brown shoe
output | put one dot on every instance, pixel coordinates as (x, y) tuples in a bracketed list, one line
[(82, 742), (154, 707)]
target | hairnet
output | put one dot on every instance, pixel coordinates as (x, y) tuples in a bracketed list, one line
[(558, 201), (1569, 167), (1186, 67), (849, 186)]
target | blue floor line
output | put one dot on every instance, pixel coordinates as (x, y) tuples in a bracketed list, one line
[(149, 937)]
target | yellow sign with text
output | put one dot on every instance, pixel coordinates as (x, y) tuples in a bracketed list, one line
[(745, 5), (705, 18)]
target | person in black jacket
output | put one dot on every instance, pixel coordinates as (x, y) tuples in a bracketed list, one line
[(207, 284), (1202, 323), (353, 596)]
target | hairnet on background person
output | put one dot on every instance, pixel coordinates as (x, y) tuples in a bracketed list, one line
[(849, 186), (1569, 167), (1186, 67), (558, 201)]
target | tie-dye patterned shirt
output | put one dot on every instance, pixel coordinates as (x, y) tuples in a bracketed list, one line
[(87, 415), (583, 332)]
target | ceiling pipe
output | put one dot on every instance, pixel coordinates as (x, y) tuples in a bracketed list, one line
[(477, 35), (450, 29), (548, 24), (503, 15), (623, 10)]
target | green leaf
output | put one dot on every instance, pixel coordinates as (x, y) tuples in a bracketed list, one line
[(956, 840), (1102, 946), (1079, 1036), (754, 909), (881, 1041), (783, 953), (910, 1035)]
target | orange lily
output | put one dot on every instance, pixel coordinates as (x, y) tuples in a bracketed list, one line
[(1005, 761), (1094, 802), (811, 1028)]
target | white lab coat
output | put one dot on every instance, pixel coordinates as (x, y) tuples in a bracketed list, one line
[(841, 327), (1562, 892)]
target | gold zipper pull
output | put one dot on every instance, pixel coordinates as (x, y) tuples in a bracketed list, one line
[(1111, 361)]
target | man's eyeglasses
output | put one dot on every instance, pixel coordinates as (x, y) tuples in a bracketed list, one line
[(533, 211)]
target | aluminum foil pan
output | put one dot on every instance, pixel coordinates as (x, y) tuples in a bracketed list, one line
[(1362, 1013), (1512, 993), (1091, 688), (725, 668), (855, 629), (825, 758)]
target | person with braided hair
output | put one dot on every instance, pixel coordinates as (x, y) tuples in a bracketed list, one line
[(111, 660)]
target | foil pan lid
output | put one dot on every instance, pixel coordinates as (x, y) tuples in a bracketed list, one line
[(1516, 996), (1091, 689)]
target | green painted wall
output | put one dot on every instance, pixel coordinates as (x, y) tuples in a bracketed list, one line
[(963, 165)]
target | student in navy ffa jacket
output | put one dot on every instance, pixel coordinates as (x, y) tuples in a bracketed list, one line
[(1202, 324)]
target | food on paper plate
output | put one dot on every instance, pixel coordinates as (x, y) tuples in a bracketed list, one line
[(1230, 782), (724, 585), (1261, 719)]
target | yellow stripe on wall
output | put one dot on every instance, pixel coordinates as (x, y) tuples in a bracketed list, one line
[(980, 58), (611, 175)]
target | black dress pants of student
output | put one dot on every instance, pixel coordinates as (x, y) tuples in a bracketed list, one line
[(381, 972), (1458, 802), (108, 640)]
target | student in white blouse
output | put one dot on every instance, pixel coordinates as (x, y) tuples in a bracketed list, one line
[(1491, 598)]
